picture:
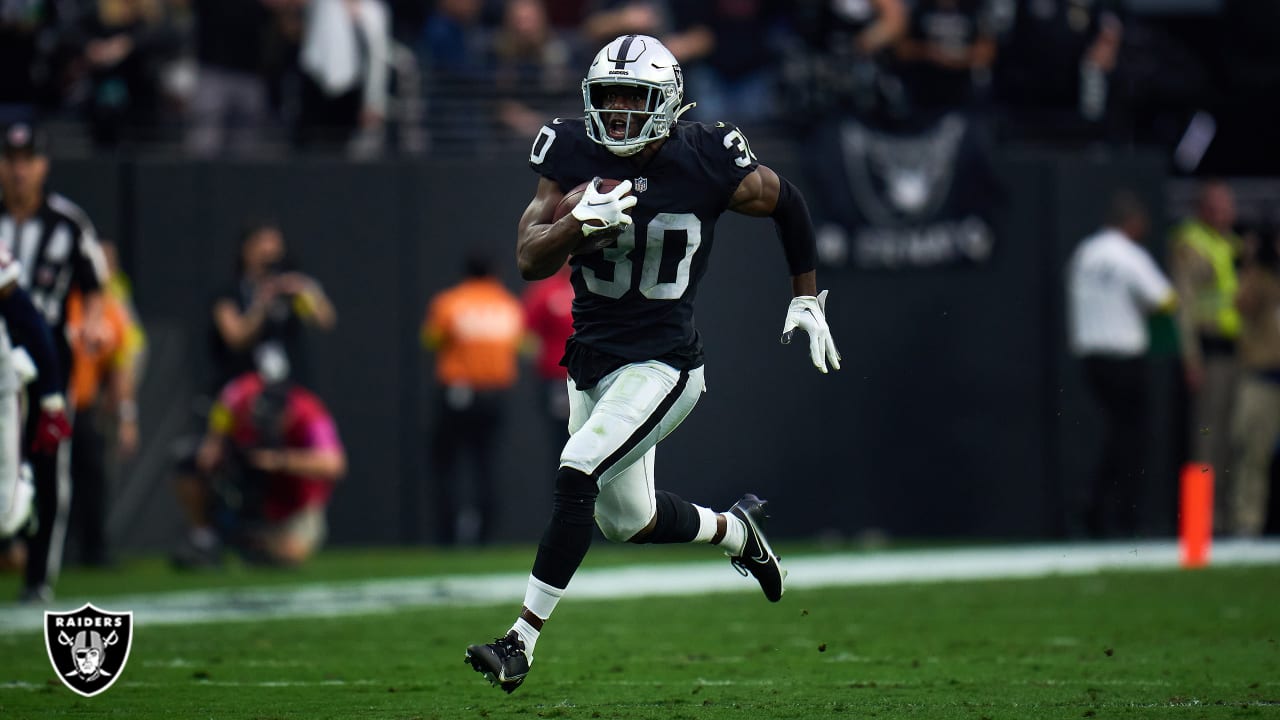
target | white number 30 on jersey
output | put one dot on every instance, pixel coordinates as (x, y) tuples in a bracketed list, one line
[(664, 273)]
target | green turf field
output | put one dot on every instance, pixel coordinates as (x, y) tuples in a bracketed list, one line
[(1157, 644)]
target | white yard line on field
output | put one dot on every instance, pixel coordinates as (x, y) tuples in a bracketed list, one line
[(812, 571)]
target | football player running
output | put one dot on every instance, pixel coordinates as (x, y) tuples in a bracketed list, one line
[(635, 359)]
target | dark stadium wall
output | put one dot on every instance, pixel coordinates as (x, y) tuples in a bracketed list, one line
[(957, 412)]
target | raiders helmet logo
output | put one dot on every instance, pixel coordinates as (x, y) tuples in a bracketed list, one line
[(88, 647)]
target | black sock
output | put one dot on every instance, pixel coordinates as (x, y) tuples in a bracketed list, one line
[(568, 535), (677, 520)]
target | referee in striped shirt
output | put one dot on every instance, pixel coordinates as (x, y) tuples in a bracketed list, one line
[(1112, 285), (58, 249)]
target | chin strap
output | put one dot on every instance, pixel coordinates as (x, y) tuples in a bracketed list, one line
[(684, 110)]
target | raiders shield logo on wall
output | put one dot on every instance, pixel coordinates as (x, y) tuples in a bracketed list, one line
[(88, 647)]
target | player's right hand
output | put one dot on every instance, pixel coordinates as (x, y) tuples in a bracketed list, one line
[(605, 212)]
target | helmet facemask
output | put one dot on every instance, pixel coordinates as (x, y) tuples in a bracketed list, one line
[(632, 64)]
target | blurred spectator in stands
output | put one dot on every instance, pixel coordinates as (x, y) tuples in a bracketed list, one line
[(28, 31), (265, 309), (840, 67), (840, 63), (268, 465), (532, 72), (1204, 254), (947, 54), (725, 48), (345, 62), (123, 48), (230, 108), (475, 328), (454, 38), (866, 26), (607, 19), (407, 17), (1251, 59), (102, 389), (1255, 428), (568, 15), (455, 51), (1112, 284), (1053, 71), (548, 314)]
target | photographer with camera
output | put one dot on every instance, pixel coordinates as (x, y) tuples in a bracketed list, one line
[(266, 469), (266, 308)]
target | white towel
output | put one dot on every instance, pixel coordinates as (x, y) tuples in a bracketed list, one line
[(330, 53)]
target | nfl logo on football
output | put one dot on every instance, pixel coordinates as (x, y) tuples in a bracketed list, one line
[(88, 647)]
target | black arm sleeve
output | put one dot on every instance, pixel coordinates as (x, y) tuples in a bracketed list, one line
[(28, 329), (795, 229)]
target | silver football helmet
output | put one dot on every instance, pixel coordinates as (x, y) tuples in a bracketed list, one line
[(637, 61)]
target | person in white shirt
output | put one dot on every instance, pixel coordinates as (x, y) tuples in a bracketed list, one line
[(1112, 285), (346, 46)]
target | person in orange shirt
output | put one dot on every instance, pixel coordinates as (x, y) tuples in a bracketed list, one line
[(102, 389), (476, 330)]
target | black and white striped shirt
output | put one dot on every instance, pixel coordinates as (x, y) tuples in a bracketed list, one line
[(58, 250)]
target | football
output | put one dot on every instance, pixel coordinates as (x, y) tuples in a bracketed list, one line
[(571, 198), (570, 201)]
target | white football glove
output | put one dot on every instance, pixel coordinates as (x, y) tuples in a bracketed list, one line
[(809, 314), (604, 212)]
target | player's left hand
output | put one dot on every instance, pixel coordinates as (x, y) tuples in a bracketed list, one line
[(809, 313), (52, 428)]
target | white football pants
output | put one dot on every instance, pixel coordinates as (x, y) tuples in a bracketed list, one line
[(615, 427), (16, 488)]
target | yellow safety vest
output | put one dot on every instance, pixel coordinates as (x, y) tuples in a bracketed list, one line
[(1214, 305)]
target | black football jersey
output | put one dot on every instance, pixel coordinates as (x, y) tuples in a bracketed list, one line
[(633, 300)]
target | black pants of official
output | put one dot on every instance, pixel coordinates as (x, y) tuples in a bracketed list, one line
[(467, 426), (1119, 385), (88, 529)]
